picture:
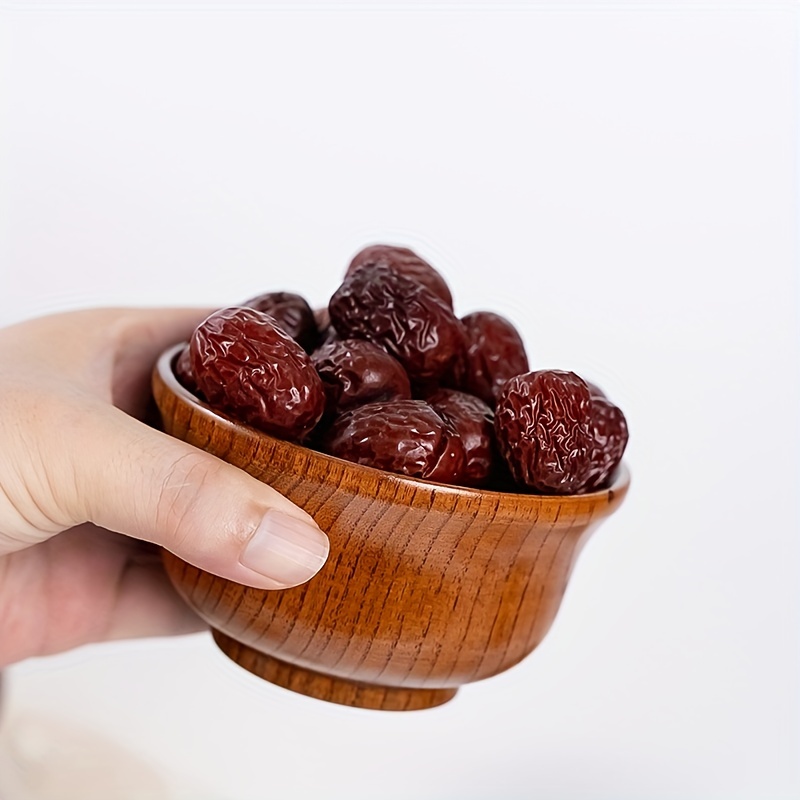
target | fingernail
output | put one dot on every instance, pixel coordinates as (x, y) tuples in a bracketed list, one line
[(285, 550)]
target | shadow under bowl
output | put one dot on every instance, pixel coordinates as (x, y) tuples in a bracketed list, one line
[(427, 586)]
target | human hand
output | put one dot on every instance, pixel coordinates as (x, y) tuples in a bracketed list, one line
[(87, 491)]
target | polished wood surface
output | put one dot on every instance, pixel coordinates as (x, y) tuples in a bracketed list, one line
[(427, 586)]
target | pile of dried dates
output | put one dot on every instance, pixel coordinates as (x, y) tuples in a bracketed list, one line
[(390, 377)]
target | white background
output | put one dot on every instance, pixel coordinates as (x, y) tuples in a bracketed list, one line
[(621, 181)]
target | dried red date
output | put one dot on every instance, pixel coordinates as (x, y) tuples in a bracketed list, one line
[(402, 316), (407, 263), (544, 429), (244, 364), (610, 431), (474, 422), (389, 334), (495, 353), (404, 436), (327, 336), (292, 313), (183, 371), (355, 372)]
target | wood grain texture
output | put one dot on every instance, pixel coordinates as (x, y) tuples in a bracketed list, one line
[(427, 587)]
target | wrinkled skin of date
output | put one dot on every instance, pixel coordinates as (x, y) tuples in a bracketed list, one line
[(404, 436), (407, 263), (474, 422), (610, 430), (183, 371), (544, 428), (355, 372), (247, 366), (292, 313), (495, 353), (402, 316)]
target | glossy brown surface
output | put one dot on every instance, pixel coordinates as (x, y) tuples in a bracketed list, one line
[(407, 263), (403, 436), (474, 423), (243, 363), (543, 423), (610, 431), (183, 371), (557, 433), (292, 313), (427, 586), (354, 372), (401, 315), (495, 353)]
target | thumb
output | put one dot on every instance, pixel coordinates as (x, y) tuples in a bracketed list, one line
[(143, 483)]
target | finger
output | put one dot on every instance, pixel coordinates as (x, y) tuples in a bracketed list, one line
[(85, 585), (108, 352), (140, 336), (134, 480), (148, 605)]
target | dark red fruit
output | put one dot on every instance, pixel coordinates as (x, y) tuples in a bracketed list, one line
[(474, 422), (402, 316), (245, 365), (183, 371), (404, 436), (407, 263), (292, 313), (610, 431), (495, 353), (355, 372), (545, 431)]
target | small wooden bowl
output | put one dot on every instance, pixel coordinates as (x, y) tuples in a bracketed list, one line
[(427, 587)]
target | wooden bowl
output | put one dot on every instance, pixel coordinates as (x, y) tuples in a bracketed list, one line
[(427, 587)]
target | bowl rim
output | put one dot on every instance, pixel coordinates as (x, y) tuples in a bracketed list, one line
[(165, 372)]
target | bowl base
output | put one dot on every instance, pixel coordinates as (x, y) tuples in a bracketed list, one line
[(323, 687)]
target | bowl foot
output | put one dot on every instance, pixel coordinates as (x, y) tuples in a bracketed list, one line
[(323, 687)]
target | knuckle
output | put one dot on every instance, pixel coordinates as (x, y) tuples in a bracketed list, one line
[(179, 507), (36, 496)]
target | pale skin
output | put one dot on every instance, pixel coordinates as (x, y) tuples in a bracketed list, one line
[(88, 492)]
